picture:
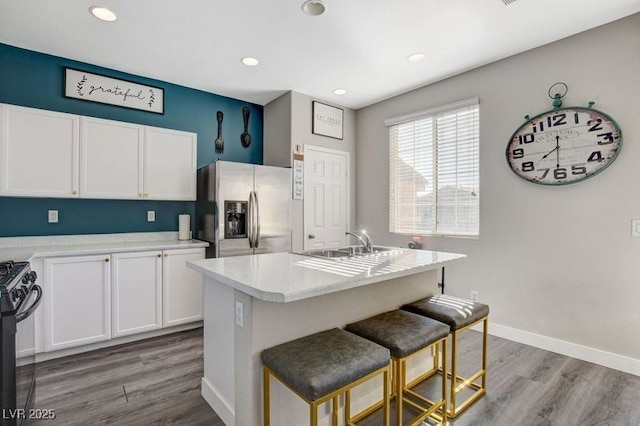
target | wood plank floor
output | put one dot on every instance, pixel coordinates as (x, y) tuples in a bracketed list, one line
[(161, 377), (530, 387), (527, 386)]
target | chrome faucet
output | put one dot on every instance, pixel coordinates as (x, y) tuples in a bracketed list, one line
[(365, 240)]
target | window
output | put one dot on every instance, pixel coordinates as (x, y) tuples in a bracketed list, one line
[(434, 187)]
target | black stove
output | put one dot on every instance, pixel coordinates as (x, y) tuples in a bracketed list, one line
[(16, 281), (19, 298)]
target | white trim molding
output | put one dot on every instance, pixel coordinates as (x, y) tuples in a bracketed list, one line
[(431, 111), (222, 407), (574, 350)]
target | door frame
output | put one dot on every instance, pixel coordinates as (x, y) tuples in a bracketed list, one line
[(308, 148)]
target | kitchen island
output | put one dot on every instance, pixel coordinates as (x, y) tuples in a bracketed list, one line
[(255, 302)]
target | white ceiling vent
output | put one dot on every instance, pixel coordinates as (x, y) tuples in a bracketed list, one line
[(508, 2)]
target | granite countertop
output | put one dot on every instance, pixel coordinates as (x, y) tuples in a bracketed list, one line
[(27, 248), (286, 277)]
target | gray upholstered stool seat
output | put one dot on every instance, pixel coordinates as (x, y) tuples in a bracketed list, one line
[(402, 332), (457, 313), (324, 365), (407, 334), (460, 315)]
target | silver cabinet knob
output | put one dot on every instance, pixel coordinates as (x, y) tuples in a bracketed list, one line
[(311, 236)]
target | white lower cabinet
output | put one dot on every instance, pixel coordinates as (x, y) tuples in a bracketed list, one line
[(77, 304), (90, 299), (136, 292), (182, 298)]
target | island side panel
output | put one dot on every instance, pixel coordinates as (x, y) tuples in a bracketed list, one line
[(218, 383), (268, 324)]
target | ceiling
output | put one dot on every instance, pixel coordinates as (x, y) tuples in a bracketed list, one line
[(359, 45)]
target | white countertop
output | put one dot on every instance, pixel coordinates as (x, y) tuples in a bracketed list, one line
[(27, 248), (286, 277)]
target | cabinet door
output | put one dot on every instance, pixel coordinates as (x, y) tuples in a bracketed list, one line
[(169, 164), (38, 152), (182, 295), (77, 301), (110, 159), (136, 292)]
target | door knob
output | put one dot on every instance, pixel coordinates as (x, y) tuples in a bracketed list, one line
[(311, 236)]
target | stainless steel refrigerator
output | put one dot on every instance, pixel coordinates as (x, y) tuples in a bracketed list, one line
[(243, 208)]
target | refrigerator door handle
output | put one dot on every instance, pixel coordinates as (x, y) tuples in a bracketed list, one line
[(256, 237), (251, 220)]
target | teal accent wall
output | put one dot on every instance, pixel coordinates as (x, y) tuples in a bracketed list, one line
[(36, 80)]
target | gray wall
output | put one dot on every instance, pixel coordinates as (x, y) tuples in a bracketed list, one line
[(277, 132), (555, 261), (287, 123)]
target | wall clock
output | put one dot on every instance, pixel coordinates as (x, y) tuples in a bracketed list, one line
[(564, 145)]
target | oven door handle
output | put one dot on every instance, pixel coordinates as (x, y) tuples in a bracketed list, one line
[(27, 313)]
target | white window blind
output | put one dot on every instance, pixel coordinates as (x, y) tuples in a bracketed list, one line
[(434, 187)]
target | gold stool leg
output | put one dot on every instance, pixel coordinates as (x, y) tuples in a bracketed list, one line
[(347, 407), (485, 346), (334, 414), (454, 372), (444, 381), (400, 378), (313, 412), (266, 396), (385, 404)]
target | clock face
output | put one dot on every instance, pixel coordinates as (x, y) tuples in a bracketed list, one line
[(564, 146)]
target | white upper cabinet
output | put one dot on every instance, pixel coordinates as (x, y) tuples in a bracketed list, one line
[(38, 152), (169, 164), (110, 159), (51, 154)]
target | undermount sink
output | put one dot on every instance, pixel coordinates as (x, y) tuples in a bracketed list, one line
[(326, 253), (350, 251)]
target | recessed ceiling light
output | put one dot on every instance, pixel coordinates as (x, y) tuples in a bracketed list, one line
[(313, 7), (416, 57), (250, 62), (339, 91), (103, 13)]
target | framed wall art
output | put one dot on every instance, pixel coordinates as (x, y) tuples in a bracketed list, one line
[(327, 120), (106, 90)]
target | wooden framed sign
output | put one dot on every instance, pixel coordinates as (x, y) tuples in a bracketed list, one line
[(327, 120), (106, 90)]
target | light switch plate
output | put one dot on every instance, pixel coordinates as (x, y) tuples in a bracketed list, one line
[(53, 216), (635, 227), (151, 216)]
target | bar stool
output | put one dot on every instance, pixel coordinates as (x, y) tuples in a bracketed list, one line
[(405, 335), (322, 366), (460, 315)]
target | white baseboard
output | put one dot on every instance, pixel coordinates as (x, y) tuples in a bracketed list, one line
[(46, 356), (585, 353), (219, 404)]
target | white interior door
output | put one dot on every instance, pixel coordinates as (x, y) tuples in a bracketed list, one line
[(326, 198)]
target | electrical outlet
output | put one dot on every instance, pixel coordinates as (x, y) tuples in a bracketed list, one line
[(635, 227), (151, 216), (474, 296), (239, 314), (53, 216)]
